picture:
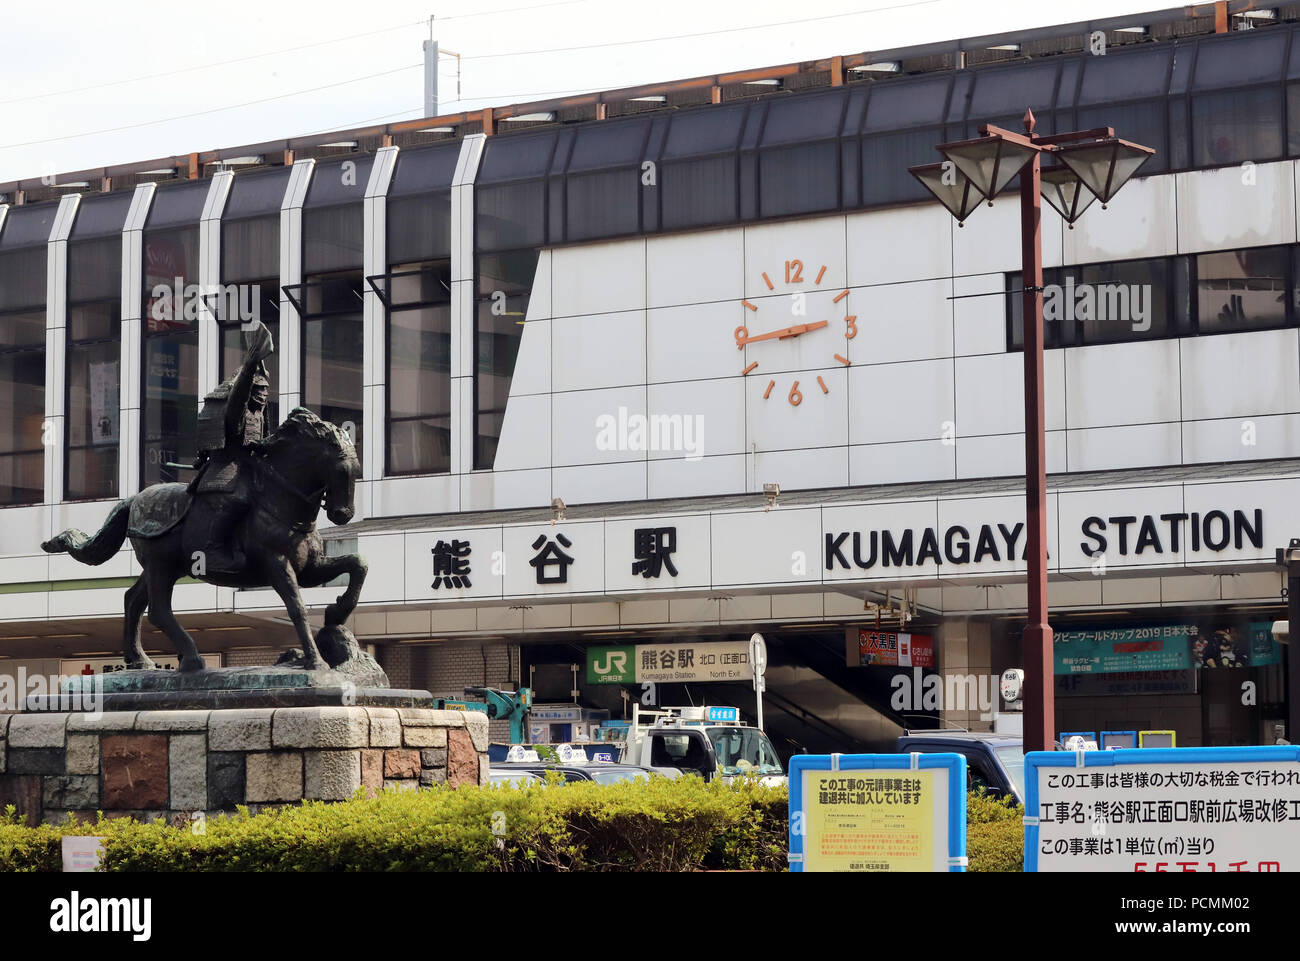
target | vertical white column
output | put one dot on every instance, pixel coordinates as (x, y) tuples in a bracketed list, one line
[(56, 346), (132, 380), (375, 319), (210, 282), (290, 346), (462, 307)]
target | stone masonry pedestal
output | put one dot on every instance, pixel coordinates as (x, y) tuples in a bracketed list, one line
[(171, 764)]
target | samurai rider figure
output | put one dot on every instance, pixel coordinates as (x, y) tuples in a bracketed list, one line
[(225, 460)]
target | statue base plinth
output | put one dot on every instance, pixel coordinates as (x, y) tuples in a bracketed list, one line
[(227, 688)]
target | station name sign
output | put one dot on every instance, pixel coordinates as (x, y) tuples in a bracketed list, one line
[(1125, 535)]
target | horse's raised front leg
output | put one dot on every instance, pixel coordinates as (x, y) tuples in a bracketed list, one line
[(326, 569), (137, 599), (160, 584), (280, 573)]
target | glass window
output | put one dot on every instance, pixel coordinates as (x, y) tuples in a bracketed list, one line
[(1105, 303), (697, 193), (332, 349), (336, 182), (516, 157), (695, 133), (170, 354), (612, 144), (1236, 125), (1240, 60), (178, 205), (907, 103), (93, 369), (602, 203), (419, 227), (257, 193), (510, 215), (800, 119), (424, 170), (333, 238), (1140, 123), (419, 368), (1242, 290), (504, 284), (99, 216), (250, 248), (1122, 75), (22, 403), (885, 159), (798, 179), (1010, 90)]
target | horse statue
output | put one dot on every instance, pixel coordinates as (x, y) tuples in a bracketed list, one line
[(274, 538)]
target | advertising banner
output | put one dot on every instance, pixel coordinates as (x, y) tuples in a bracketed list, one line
[(104, 403), (876, 812), (1126, 649), (892, 649), (1212, 809)]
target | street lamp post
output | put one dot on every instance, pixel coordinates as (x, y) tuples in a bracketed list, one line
[(1094, 165)]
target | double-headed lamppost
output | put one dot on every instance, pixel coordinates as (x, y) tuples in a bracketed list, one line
[(1094, 165)]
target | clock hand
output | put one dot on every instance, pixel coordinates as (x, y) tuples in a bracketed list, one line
[(743, 338)]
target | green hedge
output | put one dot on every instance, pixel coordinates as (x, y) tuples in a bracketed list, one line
[(681, 825), (995, 838)]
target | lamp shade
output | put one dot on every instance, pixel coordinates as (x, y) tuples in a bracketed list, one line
[(990, 162), (950, 187), (1067, 195), (1106, 165)]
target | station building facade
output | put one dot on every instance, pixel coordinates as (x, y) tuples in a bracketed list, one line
[(645, 373)]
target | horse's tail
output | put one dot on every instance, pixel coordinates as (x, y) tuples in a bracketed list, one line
[(97, 549)]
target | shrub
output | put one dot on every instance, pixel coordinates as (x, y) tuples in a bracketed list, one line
[(995, 838)]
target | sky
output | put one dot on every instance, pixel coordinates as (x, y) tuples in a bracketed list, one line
[(99, 84)]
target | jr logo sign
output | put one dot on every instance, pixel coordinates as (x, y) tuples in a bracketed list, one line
[(611, 665)]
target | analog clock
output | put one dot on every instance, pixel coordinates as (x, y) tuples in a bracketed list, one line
[(769, 324)]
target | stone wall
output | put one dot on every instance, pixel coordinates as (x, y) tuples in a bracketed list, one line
[(151, 764)]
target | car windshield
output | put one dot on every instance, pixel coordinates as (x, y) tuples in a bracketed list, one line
[(515, 780), (1013, 759), (614, 777), (744, 750)]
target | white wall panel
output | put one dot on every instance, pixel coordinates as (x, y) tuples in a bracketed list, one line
[(586, 547), (817, 242), (894, 246), (1240, 375), (532, 373), (990, 239), (575, 426), (744, 554), (819, 420), (901, 322), (695, 341), (598, 278), (1114, 384), (1117, 448), (594, 483), (525, 433), (598, 350), (702, 478), (1218, 209), (1003, 455), (517, 488), (800, 469), (690, 558), (1275, 499), (697, 418), (990, 396), (901, 463), (695, 268), (1139, 222), (894, 402), (979, 323), (1241, 438)]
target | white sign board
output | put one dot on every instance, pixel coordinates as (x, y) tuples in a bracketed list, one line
[(1192, 810), (82, 854)]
